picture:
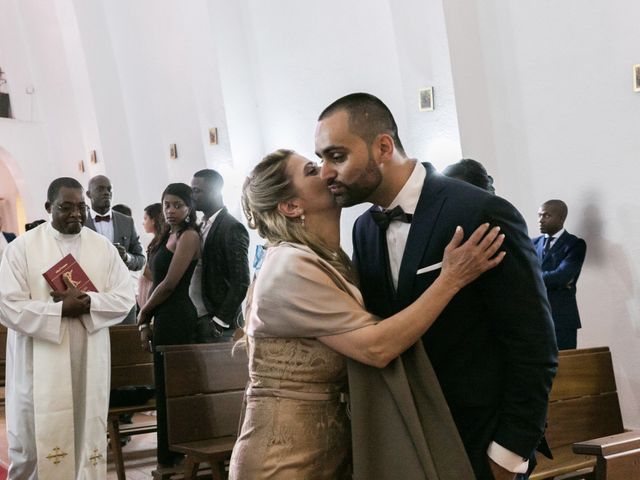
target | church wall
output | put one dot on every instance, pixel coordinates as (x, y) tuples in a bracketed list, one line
[(545, 101), (305, 55), (540, 93)]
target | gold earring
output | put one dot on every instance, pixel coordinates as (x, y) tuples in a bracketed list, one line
[(302, 219)]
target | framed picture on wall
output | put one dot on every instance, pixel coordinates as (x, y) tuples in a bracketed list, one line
[(636, 78), (173, 151), (425, 99), (213, 136)]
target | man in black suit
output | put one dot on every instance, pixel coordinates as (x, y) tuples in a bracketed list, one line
[(561, 256), (118, 228), (220, 280), (493, 348), (5, 239)]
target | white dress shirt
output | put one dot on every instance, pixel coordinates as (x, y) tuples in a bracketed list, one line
[(104, 228), (398, 232), (555, 238), (397, 235)]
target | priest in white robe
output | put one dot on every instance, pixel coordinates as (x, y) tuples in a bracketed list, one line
[(58, 353)]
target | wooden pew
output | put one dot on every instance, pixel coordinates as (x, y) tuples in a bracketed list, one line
[(584, 405), (205, 385), (130, 366)]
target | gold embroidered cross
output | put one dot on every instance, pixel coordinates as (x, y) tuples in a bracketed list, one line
[(56, 456), (95, 457)]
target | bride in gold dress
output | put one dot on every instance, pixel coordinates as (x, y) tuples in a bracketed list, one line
[(305, 322)]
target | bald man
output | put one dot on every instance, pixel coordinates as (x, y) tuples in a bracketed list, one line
[(561, 256), (116, 227)]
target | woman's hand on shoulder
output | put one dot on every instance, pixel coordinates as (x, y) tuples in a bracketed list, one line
[(464, 262)]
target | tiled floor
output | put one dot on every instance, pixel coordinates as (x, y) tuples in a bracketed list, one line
[(139, 454)]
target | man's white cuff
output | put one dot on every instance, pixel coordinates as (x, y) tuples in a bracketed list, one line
[(220, 322), (507, 459)]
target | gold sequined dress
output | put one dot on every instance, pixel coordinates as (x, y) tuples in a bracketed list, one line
[(295, 424)]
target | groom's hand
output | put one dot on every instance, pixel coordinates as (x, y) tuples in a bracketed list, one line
[(500, 473)]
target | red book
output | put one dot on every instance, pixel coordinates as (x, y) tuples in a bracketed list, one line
[(70, 268)]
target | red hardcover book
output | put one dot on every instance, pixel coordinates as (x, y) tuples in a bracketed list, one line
[(70, 268)]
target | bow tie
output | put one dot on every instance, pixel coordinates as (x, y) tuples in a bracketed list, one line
[(103, 218), (385, 217)]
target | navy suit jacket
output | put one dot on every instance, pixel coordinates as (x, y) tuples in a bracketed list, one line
[(493, 348), (9, 237), (560, 271)]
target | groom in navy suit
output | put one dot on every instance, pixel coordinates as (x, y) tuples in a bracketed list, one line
[(493, 348), (561, 256)]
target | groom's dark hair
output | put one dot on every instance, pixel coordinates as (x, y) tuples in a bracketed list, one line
[(368, 117)]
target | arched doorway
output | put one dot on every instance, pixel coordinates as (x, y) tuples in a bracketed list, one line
[(11, 201)]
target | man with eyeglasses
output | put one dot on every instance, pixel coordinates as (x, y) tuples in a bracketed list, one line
[(57, 383), (116, 227)]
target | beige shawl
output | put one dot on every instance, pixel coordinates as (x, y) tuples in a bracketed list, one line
[(401, 424)]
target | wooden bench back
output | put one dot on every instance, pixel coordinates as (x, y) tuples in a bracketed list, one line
[(204, 386), (3, 343), (130, 364), (583, 402)]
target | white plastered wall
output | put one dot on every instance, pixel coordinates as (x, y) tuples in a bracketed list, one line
[(539, 92)]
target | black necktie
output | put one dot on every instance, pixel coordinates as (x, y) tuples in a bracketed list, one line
[(547, 246), (103, 218), (385, 217)]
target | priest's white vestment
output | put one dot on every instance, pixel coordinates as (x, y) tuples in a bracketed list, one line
[(58, 368)]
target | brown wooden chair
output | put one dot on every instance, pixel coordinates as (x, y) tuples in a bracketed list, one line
[(205, 386), (130, 366), (583, 406)]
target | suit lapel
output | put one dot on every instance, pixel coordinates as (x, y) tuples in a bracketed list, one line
[(214, 226), (375, 274), (556, 247), (540, 248), (89, 223), (116, 228), (424, 220)]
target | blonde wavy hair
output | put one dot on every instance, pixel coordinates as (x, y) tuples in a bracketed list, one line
[(266, 186)]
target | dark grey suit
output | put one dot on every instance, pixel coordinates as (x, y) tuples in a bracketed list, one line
[(225, 271), (124, 233)]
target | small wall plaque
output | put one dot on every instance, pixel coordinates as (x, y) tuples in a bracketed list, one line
[(425, 99), (173, 151), (213, 136)]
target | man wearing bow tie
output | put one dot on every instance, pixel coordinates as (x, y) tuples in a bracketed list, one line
[(116, 227), (561, 256), (493, 348)]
